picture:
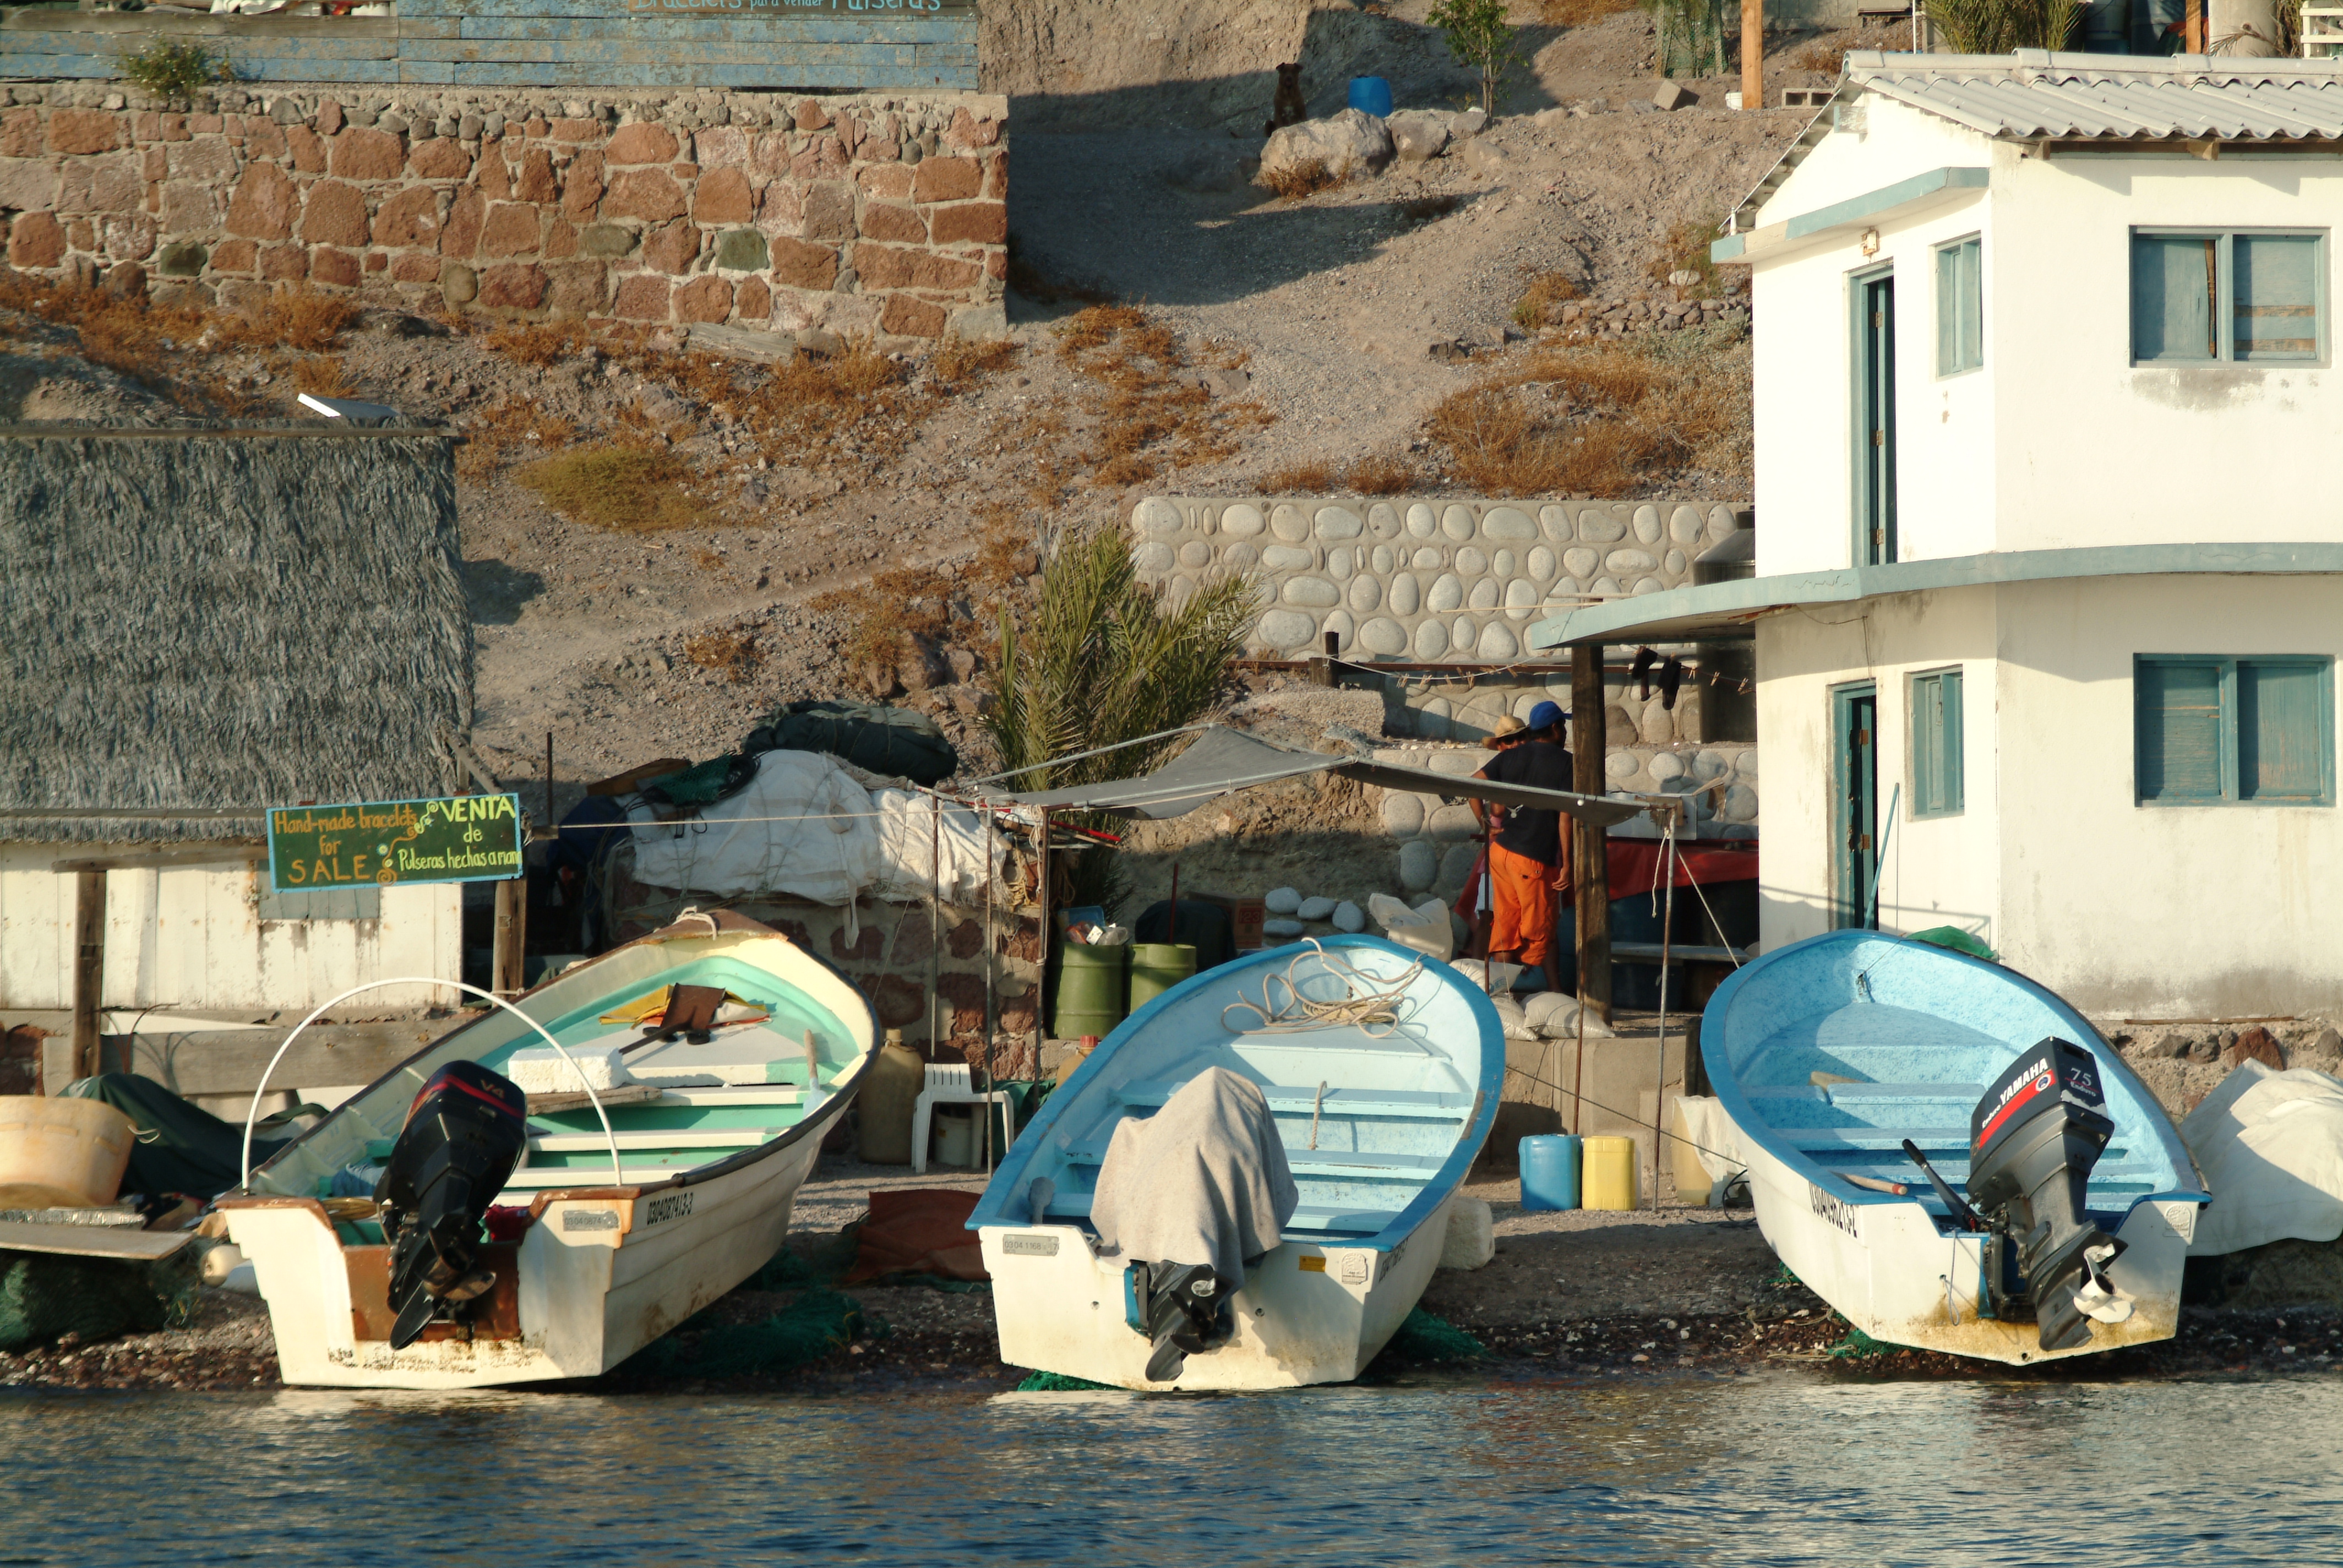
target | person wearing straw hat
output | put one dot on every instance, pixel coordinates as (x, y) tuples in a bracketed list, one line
[(1529, 855)]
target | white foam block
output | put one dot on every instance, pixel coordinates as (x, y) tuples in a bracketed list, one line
[(540, 1069)]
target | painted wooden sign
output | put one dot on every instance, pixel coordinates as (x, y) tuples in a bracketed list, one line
[(456, 839), (794, 10)]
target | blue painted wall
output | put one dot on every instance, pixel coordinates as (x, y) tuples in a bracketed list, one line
[(843, 45)]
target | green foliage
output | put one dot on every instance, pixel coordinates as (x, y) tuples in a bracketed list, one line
[(1106, 658), (172, 71), (1479, 36), (1998, 26)]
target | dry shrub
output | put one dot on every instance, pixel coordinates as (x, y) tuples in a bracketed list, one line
[(1610, 420), (515, 425), (1379, 475), (1292, 182), (961, 362), (154, 344), (1685, 249), (637, 489), (1830, 59), (730, 654), (1547, 290), (1148, 417), (540, 342), (322, 375), (889, 611), (1580, 13), (1310, 477)]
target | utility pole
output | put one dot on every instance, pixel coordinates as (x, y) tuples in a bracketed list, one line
[(1753, 54)]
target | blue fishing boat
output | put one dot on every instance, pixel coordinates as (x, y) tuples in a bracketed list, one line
[(1380, 1074), (1949, 1153)]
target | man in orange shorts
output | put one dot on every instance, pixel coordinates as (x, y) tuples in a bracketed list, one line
[(1529, 858)]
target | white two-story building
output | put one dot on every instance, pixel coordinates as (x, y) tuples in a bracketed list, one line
[(2049, 565)]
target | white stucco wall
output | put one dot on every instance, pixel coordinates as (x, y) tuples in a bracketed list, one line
[(2058, 441), (192, 938), (2139, 911)]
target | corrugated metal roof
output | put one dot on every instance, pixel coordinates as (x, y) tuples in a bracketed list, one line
[(2035, 95)]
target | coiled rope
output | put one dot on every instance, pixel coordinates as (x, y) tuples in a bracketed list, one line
[(1374, 1011)]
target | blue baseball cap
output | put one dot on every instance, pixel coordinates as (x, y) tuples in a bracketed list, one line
[(1546, 715)]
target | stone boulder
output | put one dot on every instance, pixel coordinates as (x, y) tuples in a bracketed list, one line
[(1346, 145), (1417, 135)]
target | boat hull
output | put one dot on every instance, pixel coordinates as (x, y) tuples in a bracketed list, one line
[(1888, 1270), (602, 1272), (1307, 1313)]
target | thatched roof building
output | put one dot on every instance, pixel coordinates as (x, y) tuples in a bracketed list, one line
[(220, 619)]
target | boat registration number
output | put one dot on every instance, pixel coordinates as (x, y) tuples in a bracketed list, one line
[(674, 1206), (1028, 1244), (1834, 1211)]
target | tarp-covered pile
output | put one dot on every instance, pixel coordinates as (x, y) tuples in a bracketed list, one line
[(2270, 1145)]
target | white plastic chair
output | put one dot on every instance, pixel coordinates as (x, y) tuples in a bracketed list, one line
[(946, 1085)]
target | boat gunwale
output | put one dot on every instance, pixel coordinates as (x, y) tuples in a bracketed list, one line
[(726, 923), (1435, 1188), (1725, 1083)]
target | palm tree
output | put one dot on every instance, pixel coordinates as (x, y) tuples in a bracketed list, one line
[(1109, 659)]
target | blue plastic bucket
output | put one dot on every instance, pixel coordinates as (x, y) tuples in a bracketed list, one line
[(1550, 1172), (1371, 95)]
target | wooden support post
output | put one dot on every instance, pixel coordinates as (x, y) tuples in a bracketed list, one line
[(512, 937), (89, 968), (1753, 54), (1591, 841)]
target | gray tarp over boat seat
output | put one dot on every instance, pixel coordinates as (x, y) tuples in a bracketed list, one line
[(1202, 1182), (1222, 760)]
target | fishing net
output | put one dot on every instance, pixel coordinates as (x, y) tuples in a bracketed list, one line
[(1057, 1382), (815, 1325), (45, 1296), (1859, 1346), (1424, 1338)]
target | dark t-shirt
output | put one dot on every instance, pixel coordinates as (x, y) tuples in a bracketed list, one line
[(1540, 765)]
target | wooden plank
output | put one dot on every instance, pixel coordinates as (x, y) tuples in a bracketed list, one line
[(625, 1095), (158, 22), (832, 58), (1592, 869), (89, 967), (766, 15), (230, 1060), (511, 938), (769, 73), (689, 31), (230, 853), (125, 1241)]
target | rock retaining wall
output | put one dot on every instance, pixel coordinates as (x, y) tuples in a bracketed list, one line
[(869, 214)]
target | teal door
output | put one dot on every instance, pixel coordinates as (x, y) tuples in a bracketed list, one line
[(1876, 426), (1854, 815)]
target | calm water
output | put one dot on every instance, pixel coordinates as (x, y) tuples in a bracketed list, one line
[(1776, 1470)]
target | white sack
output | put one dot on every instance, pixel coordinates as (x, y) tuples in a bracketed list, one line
[(1472, 1238), (910, 827), (800, 827), (1424, 928), (1496, 979), (2270, 1145)]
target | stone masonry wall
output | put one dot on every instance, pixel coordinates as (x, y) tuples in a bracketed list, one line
[(880, 214)]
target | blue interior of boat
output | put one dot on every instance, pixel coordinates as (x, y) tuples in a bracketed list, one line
[(1835, 1049), (1380, 1120)]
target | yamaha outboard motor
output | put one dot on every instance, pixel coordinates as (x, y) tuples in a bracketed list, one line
[(464, 1134), (2033, 1141)]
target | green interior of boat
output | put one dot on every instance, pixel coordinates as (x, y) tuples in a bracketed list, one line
[(745, 1086)]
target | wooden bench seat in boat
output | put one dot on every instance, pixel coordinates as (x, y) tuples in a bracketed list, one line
[(1427, 1105), (1310, 1220)]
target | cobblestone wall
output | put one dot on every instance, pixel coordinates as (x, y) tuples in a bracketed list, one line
[(879, 214)]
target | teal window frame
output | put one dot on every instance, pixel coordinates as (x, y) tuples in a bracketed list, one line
[(2235, 700), (2222, 343), (1960, 307), (1938, 751)]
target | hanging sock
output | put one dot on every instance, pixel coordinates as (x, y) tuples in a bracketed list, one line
[(1670, 677), (1641, 672)]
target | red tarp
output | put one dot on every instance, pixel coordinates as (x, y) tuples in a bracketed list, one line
[(1635, 864)]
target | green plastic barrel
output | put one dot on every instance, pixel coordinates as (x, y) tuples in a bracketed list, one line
[(1089, 989), (1156, 968)]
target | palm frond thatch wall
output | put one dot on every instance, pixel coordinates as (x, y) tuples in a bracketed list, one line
[(215, 618)]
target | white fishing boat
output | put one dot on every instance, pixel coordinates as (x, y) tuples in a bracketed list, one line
[(630, 1207), (1947, 1153), (1381, 1071)]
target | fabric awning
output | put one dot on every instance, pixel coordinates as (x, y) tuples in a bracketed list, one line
[(1223, 760)]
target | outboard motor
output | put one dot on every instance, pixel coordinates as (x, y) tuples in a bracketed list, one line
[(464, 1134), (2033, 1141)]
